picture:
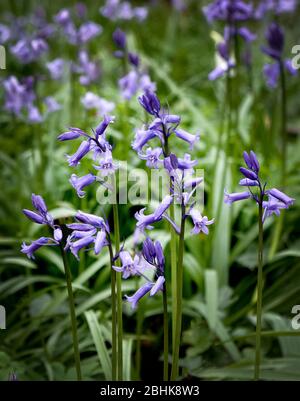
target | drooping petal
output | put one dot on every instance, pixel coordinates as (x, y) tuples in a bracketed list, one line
[(34, 216), (100, 241), (158, 286), (141, 292)]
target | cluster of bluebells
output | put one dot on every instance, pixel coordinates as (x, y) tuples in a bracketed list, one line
[(87, 69), (20, 100), (28, 39), (233, 13), (41, 216), (150, 259), (81, 35), (27, 45), (96, 144), (122, 10), (275, 6), (275, 39), (88, 231), (182, 185), (180, 170), (136, 80), (272, 200)]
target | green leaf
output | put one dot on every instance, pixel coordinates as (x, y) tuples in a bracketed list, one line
[(102, 351), (211, 297), (127, 358)]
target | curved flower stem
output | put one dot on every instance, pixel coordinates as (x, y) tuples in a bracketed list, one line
[(72, 312), (178, 323), (113, 315), (166, 334), (259, 292), (119, 294)]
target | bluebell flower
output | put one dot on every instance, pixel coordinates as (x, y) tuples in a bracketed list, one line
[(34, 115), (158, 286), (145, 221), (275, 39), (102, 106), (129, 266), (186, 163), (88, 31), (89, 70), (19, 96), (140, 293), (63, 17), (228, 10), (187, 137), (28, 50), (142, 137), (154, 257), (226, 66), (83, 149), (200, 222), (119, 38), (162, 126), (151, 103), (236, 196), (80, 182), (106, 166), (153, 157), (30, 249), (280, 196), (123, 10), (56, 68), (276, 6), (134, 60), (91, 230), (51, 104), (5, 33)]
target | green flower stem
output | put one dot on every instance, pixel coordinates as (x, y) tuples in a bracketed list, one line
[(178, 323), (72, 312), (173, 246), (119, 294), (166, 334), (113, 315), (139, 328), (283, 122), (259, 292), (280, 221)]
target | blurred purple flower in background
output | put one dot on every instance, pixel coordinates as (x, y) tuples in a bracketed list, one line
[(91, 101), (29, 50), (56, 68), (275, 48), (4, 34), (123, 10), (89, 70)]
